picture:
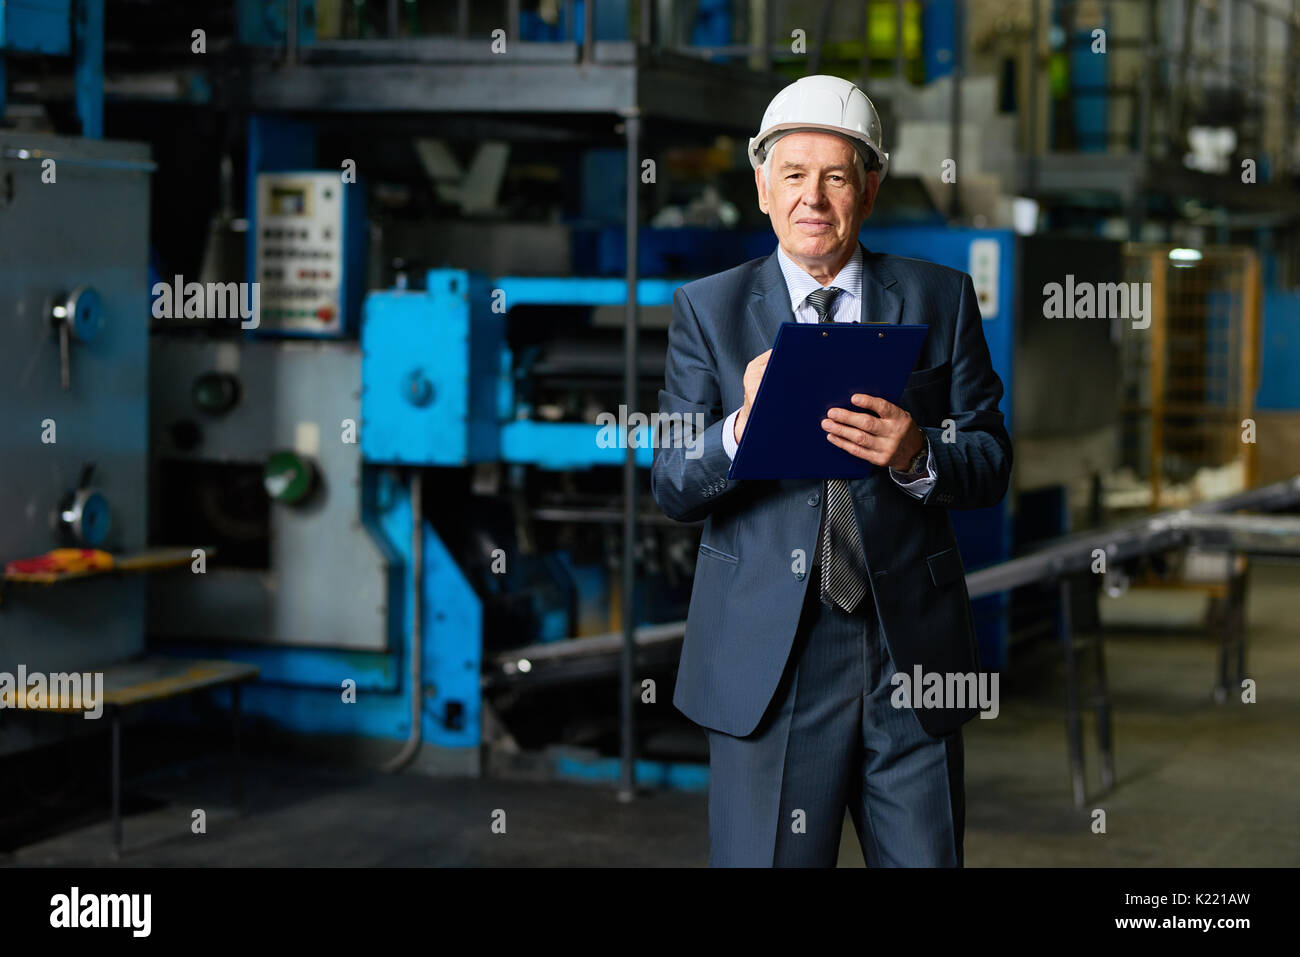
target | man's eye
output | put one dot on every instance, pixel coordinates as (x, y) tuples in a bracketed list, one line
[(837, 178)]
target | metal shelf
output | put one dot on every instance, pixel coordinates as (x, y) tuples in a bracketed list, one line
[(461, 76)]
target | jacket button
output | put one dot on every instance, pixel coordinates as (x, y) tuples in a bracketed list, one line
[(814, 499), (799, 576)]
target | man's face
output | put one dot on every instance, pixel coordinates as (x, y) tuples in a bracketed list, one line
[(814, 200)]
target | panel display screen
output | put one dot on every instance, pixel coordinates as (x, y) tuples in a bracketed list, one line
[(288, 201)]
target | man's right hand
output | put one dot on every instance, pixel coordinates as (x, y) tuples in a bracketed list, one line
[(753, 376)]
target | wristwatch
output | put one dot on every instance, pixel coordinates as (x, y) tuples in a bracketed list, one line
[(918, 461)]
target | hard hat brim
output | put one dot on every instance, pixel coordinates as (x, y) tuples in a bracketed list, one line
[(764, 141)]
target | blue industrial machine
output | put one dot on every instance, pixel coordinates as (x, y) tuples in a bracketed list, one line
[(60, 28), (320, 590), (72, 386)]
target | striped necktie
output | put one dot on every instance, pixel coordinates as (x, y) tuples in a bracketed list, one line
[(844, 564)]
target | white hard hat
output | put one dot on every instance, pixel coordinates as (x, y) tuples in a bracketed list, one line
[(821, 103)]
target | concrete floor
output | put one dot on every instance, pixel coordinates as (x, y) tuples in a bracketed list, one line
[(1199, 784)]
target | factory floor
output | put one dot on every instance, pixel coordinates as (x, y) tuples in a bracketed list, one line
[(1199, 783)]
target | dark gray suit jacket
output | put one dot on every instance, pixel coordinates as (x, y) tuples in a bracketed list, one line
[(747, 598)]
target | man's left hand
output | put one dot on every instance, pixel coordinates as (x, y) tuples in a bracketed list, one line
[(889, 437)]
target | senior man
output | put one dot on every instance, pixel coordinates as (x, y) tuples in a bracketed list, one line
[(788, 668)]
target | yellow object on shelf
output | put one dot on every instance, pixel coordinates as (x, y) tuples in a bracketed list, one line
[(63, 564), (59, 563)]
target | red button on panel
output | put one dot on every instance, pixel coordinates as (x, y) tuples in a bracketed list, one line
[(325, 313)]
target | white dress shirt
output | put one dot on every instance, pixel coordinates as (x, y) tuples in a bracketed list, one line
[(846, 307)]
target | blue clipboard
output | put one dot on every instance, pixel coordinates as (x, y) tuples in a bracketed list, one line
[(815, 367)]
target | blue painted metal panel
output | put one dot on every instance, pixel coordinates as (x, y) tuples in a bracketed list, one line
[(671, 774), (436, 374), (712, 28), (582, 291), (36, 26), (1089, 76), (430, 372), (611, 23), (570, 445), (938, 37), (1279, 386), (602, 188), (452, 626), (89, 70), (264, 23)]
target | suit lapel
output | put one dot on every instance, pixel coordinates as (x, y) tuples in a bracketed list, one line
[(880, 300), (769, 303)]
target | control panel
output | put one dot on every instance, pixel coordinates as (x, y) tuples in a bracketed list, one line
[(307, 259)]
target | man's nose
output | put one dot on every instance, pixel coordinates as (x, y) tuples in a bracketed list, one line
[(814, 194)]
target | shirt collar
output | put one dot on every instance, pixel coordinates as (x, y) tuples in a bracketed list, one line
[(798, 283)]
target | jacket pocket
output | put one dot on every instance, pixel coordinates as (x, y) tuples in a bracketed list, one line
[(945, 566), (927, 376), (712, 552)]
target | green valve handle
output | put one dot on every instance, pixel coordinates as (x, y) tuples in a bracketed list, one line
[(288, 478)]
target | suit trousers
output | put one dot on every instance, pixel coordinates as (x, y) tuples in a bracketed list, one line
[(831, 739)]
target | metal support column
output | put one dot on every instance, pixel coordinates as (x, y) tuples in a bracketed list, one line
[(115, 723), (627, 783), (900, 68), (589, 31), (1101, 697), (291, 33), (512, 20), (819, 39), (237, 763), (88, 43), (1232, 635), (1098, 698), (955, 211), (1031, 134), (1073, 718), (1178, 94), (1289, 71)]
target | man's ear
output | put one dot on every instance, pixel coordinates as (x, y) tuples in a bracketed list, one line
[(761, 185)]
